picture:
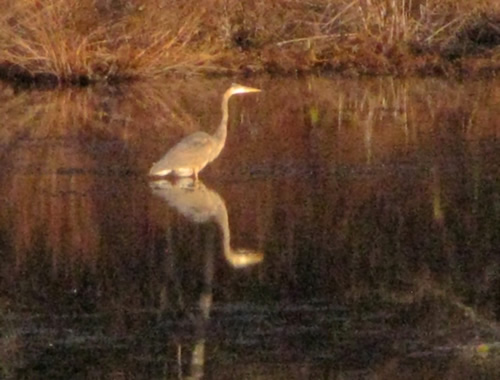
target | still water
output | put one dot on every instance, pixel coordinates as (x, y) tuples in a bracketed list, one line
[(350, 229)]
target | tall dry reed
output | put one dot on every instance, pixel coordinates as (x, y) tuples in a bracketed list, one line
[(83, 41)]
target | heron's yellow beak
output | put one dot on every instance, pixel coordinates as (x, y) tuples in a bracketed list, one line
[(240, 89), (252, 89)]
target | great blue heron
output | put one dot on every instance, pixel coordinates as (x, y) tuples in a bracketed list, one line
[(190, 155)]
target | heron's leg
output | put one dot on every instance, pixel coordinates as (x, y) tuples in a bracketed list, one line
[(195, 176)]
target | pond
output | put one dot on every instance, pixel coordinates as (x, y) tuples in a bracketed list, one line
[(349, 229)]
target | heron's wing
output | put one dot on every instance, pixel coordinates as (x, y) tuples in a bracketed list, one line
[(192, 150)]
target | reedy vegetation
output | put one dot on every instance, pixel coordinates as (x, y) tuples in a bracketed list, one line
[(92, 40)]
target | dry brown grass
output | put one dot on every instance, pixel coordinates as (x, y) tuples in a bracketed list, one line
[(71, 40), (82, 41)]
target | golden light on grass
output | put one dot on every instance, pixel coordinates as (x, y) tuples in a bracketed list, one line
[(77, 41), (84, 41)]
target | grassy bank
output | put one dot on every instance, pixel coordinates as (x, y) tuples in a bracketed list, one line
[(82, 41)]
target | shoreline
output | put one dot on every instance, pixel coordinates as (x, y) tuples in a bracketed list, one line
[(79, 43), (471, 69)]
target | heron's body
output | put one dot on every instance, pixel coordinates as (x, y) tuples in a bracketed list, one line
[(190, 155)]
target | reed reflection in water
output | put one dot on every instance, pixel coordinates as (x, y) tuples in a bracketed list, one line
[(374, 200)]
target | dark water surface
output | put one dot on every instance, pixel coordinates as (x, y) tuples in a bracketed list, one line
[(350, 229)]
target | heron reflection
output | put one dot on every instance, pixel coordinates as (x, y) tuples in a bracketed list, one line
[(200, 204)]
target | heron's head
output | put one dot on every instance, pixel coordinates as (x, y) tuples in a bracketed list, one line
[(240, 89)]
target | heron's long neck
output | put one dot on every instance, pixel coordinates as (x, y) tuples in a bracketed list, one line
[(223, 221), (221, 132)]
